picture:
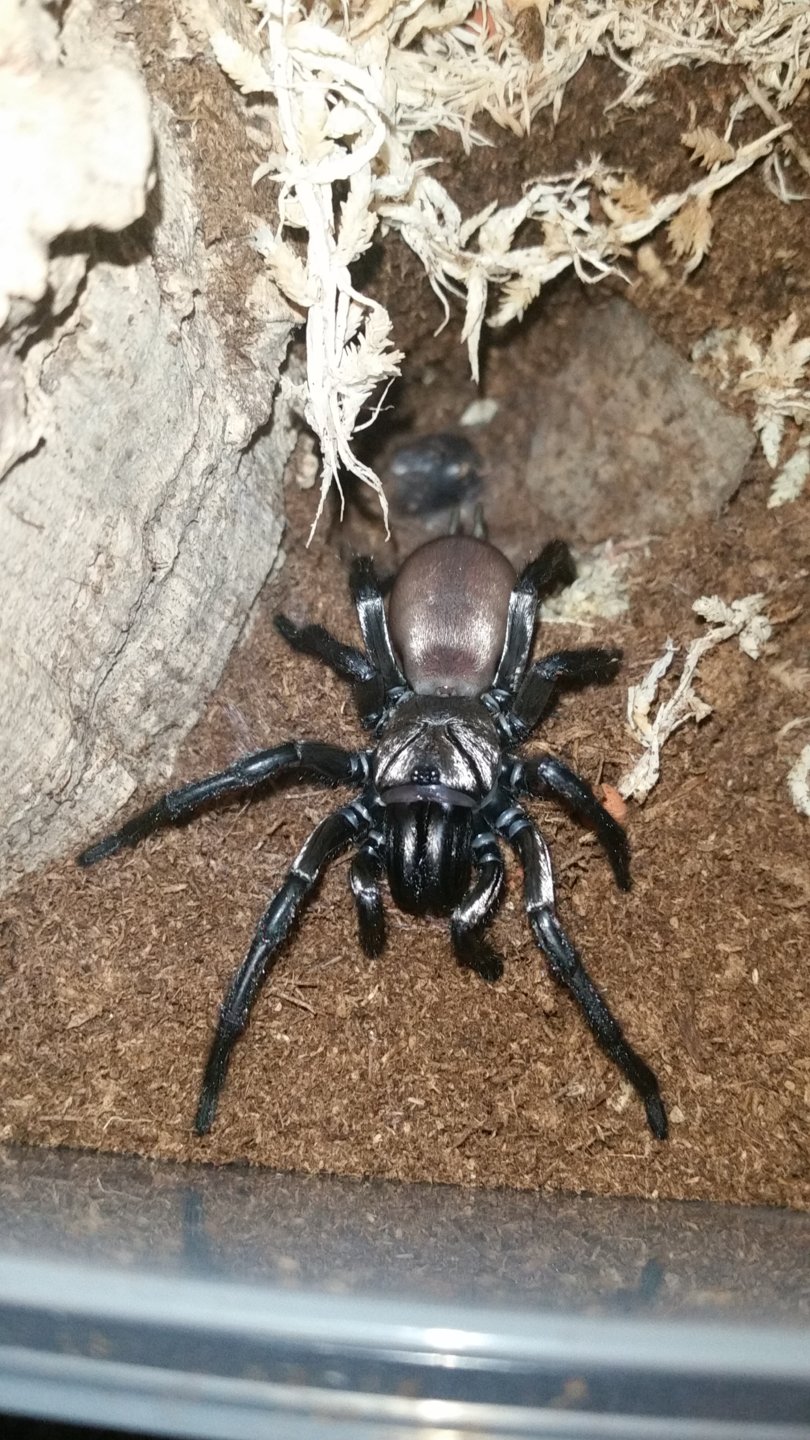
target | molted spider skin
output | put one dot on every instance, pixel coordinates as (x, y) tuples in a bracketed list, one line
[(434, 473), (447, 694)]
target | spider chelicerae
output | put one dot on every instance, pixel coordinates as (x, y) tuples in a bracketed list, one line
[(445, 685)]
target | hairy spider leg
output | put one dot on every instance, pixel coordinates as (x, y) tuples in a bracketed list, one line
[(329, 763), (551, 570), (376, 674), (327, 840), (589, 666), (544, 775), (567, 967), (469, 918), (368, 598), (346, 660), (364, 876)]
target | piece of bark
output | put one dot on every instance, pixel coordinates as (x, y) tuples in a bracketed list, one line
[(144, 443)]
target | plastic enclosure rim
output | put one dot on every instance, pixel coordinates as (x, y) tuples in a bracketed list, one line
[(190, 1338)]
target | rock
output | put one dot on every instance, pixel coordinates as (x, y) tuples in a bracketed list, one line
[(630, 442)]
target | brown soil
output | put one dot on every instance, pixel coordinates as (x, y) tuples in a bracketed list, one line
[(407, 1067)]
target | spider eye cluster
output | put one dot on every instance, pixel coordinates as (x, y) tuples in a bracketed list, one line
[(425, 775)]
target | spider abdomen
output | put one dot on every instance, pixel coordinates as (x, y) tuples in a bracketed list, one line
[(447, 615), (428, 850)]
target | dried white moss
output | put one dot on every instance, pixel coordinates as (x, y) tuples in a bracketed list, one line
[(791, 479), (599, 592), (799, 782), (743, 619), (774, 375)]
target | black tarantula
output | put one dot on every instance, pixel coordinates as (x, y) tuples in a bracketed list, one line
[(447, 692)]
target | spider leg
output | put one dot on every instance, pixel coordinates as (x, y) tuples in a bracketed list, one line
[(566, 966), (367, 596), (326, 762), (366, 869), (346, 660), (590, 666), (550, 570), (326, 841), (472, 949), (544, 774)]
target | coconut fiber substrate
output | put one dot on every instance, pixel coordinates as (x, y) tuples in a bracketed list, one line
[(407, 1066)]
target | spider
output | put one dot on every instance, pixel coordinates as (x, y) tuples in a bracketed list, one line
[(445, 685)]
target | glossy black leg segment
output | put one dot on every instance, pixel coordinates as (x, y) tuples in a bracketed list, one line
[(551, 570), (469, 918), (325, 762), (366, 869), (545, 775), (367, 596), (566, 667), (346, 660), (566, 966), (568, 969), (330, 837)]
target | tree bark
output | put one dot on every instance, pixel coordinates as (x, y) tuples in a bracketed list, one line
[(141, 448)]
